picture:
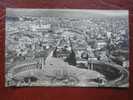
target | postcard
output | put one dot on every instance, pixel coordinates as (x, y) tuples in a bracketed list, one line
[(66, 47)]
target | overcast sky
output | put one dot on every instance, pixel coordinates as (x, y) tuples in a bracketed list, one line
[(63, 12)]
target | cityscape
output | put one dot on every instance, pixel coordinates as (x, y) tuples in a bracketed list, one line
[(63, 47)]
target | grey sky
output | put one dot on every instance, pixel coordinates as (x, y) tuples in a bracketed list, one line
[(63, 12)]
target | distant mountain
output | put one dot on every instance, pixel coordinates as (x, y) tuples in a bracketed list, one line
[(11, 18)]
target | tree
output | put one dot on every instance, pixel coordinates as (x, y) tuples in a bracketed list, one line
[(54, 53), (71, 59)]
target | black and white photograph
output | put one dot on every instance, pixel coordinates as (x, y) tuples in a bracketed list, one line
[(66, 47)]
